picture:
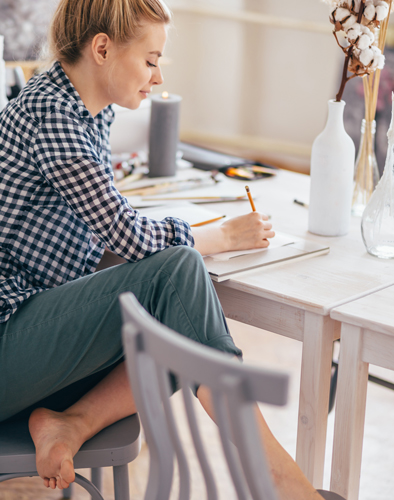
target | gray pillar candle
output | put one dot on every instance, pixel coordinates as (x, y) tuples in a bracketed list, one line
[(164, 134)]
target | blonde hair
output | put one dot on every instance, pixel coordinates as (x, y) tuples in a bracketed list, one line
[(77, 22)]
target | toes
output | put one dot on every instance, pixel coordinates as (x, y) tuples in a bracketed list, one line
[(59, 482), (64, 484), (52, 483), (67, 471), (46, 482)]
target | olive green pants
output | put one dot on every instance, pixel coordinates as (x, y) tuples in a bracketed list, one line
[(62, 342)]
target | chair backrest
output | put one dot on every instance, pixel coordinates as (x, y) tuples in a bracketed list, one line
[(152, 352)]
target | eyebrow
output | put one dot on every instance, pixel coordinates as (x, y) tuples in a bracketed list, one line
[(156, 52)]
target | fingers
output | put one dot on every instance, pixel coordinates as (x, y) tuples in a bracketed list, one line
[(52, 483), (269, 234)]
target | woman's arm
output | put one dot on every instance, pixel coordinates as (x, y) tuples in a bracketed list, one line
[(240, 233)]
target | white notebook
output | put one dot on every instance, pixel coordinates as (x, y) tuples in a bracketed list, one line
[(282, 248), (223, 266)]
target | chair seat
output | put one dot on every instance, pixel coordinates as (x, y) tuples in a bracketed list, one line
[(115, 445)]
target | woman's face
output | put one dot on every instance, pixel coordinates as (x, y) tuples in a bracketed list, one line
[(136, 67)]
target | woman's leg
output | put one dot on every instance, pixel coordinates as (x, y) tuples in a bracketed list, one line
[(58, 436), (288, 478), (63, 335), (66, 334)]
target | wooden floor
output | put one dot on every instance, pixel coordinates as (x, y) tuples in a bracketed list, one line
[(377, 478)]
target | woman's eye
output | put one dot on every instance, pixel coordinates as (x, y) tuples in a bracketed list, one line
[(151, 65)]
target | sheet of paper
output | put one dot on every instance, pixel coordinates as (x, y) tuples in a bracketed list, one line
[(193, 214), (182, 175), (279, 240)]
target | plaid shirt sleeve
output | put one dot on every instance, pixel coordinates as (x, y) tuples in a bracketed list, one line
[(66, 154)]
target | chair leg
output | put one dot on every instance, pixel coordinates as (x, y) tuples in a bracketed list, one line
[(121, 482), (97, 478), (68, 492)]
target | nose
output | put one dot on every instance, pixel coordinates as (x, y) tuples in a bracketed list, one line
[(157, 76)]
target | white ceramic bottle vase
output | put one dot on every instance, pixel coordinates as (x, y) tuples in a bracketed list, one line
[(332, 169), (3, 94)]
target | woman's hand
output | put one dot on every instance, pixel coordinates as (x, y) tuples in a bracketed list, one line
[(248, 231), (240, 233)]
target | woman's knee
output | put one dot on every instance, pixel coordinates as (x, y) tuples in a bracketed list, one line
[(185, 260)]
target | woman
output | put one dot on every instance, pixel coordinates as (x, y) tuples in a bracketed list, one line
[(60, 343)]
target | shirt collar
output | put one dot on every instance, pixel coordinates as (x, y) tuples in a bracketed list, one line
[(58, 76)]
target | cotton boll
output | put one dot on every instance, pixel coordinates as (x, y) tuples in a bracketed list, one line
[(363, 42), (377, 61), (381, 61), (376, 51), (366, 31), (354, 33), (349, 22), (366, 56), (382, 11), (340, 14), (369, 12)]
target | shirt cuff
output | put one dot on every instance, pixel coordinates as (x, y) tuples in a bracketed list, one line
[(182, 233)]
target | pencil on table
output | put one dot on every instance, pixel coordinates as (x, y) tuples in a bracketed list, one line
[(250, 198), (207, 221)]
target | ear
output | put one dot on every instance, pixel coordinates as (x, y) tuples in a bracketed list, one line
[(100, 47)]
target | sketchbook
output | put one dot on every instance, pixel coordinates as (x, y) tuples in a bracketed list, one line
[(223, 266), (282, 248)]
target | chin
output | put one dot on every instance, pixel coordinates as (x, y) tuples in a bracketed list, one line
[(132, 104)]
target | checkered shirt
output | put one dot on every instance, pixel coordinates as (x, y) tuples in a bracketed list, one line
[(58, 204)]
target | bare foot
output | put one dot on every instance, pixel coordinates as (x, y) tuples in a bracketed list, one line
[(57, 439)]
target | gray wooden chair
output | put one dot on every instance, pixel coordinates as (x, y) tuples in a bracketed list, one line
[(152, 352), (115, 446)]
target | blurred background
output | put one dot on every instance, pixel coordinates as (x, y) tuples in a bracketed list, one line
[(255, 75)]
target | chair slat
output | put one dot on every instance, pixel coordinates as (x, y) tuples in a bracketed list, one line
[(212, 493), (184, 471), (248, 440), (144, 383), (230, 452)]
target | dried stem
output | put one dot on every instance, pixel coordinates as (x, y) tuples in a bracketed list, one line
[(382, 43), (365, 166), (345, 78), (366, 160)]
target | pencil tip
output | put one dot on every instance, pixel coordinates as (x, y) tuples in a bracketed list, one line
[(247, 189)]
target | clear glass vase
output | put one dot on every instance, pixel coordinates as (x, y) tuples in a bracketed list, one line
[(366, 173), (377, 224)]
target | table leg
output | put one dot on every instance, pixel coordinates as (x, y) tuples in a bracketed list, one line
[(319, 334), (349, 414)]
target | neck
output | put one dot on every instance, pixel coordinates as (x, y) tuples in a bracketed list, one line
[(86, 78)]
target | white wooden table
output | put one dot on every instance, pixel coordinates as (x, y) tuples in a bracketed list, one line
[(294, 299), (367, 337)]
